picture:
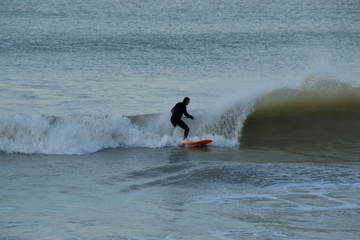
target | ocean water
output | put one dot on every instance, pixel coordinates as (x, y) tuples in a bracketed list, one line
[(87, 150)]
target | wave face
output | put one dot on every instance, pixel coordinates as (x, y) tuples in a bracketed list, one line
[(322, 115)]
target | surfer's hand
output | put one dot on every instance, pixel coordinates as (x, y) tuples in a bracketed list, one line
[(192, 118)]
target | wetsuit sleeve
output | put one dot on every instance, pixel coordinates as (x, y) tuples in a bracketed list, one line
[(187, 115)]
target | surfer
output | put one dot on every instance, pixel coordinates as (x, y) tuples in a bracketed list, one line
[(178, 110)]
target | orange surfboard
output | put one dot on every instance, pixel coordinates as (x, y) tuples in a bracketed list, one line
[(196, 143)]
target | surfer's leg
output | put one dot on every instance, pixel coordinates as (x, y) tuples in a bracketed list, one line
[(174, 123), (186, 132), (185, 127)]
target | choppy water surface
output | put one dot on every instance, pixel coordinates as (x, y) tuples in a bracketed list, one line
[(176, 193)]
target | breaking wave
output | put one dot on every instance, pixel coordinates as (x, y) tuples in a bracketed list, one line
[(322, 113)]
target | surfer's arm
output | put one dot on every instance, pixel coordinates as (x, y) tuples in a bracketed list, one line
[(188, 115)]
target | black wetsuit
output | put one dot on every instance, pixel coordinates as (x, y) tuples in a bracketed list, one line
[(178, 110)]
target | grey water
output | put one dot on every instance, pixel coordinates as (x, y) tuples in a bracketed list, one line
[(87, 150)]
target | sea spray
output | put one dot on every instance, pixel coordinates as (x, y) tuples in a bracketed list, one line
[(225, 120)]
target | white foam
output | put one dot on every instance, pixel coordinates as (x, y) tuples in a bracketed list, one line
[(72, 134), (81, 134)]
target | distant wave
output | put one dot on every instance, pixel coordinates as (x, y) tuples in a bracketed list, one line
[(322, 114)]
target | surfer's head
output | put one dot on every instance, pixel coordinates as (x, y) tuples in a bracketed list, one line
[(186, 100)]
